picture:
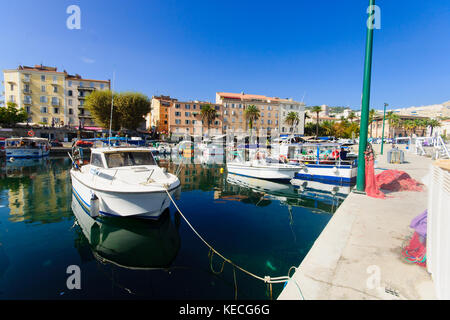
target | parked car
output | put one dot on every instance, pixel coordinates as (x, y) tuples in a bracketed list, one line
[(56, 143)]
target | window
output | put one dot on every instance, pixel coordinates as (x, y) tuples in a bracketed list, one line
[(55, 89), (269, 108), (42, 78), (43, 89), (177, 106), (187, 122), (165, 121), (269, 121), (216, 123), (55, 78), (232, 105), (262, 121), (28, 109), (43, 99), (71, 121), (43, 109), (262, 114), (27, 88), (91, 85), (12, 98), (262, 107), (132, 158), (70, 83), (187, 106), (81, 84), (81, 103), (187, 114), (55, 120), (12, 87), (70, 102), (55, 101), (217, 108), (70, 93), (177, 121), (177, 114), (70, 111), (44, 120), (55, 110), (27, 99), (194, 107), (102, 86), (96, 160)]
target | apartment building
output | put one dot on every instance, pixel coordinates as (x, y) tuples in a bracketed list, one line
[(49, 96), (185, 118), (77, 89), (273, 112), (158, 118)]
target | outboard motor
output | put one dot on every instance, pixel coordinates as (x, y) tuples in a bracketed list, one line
[(95, 206)]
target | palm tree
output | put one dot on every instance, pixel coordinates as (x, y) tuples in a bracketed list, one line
[(317, 110), (208, 114), (393, 121), (251, 114), (433, 123), (351, 116), (328, 128), (292, 119)]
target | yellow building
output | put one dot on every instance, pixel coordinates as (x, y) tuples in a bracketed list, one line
[(48, 96)]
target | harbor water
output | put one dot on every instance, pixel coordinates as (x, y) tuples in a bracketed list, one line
[(264, 227)]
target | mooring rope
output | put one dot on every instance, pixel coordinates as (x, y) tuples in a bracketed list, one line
[(266, 279)]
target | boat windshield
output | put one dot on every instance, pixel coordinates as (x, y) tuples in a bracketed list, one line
[(129, 158)]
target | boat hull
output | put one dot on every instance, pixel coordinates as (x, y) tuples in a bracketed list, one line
[(263, 172), (148, 205), (25, 153), (328, 173)]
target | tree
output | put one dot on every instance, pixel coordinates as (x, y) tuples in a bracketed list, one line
[(351, 116), (317, 110), (10, 115), (128, 112), (433, 123), (131, 107), (99, 105), (292, 119), (393, 121), (208, 114), (251, 114)]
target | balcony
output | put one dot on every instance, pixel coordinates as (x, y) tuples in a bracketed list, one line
[(55, 103), (26, 79), (85, 88), (25, 91), (27, 101)]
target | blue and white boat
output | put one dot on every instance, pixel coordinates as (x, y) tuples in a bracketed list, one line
[(324, 162), (26, 148)]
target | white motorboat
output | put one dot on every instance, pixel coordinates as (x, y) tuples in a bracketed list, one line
[(26, 147), (123, 181), (262, 167)]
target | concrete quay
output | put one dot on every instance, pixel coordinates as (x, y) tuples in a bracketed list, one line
[(358, 254)]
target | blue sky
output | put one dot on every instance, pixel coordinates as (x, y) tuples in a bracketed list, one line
[(302, 49)]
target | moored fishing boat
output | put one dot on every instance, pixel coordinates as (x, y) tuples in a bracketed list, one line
[(122, 181), (26, 147), (261, 166)]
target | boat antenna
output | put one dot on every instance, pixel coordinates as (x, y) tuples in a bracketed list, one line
[(112, 107)]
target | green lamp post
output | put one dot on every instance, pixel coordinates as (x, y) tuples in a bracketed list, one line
[(382, 133), (364, 125)]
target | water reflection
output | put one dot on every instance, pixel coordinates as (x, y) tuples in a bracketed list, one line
[(37, 189), (131, 243)]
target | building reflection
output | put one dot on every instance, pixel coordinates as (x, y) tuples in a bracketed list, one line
[(38, 190)]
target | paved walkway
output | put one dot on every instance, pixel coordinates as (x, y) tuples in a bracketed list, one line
[(358, 255)]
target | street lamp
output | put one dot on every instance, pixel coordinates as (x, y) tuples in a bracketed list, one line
[(382, 132)]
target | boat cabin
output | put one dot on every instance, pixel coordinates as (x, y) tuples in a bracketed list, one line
[(117, 158)]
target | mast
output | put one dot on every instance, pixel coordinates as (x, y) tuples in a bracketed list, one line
[(112, 107)]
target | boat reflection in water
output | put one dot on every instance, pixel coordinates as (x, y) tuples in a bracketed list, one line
[(319, 197), (131, 243)]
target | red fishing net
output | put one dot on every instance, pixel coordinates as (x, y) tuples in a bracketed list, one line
[(389, 180), (395, 180), (415, 251), (372, 189)]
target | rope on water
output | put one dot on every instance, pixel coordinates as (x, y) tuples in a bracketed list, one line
[(266, 279)]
